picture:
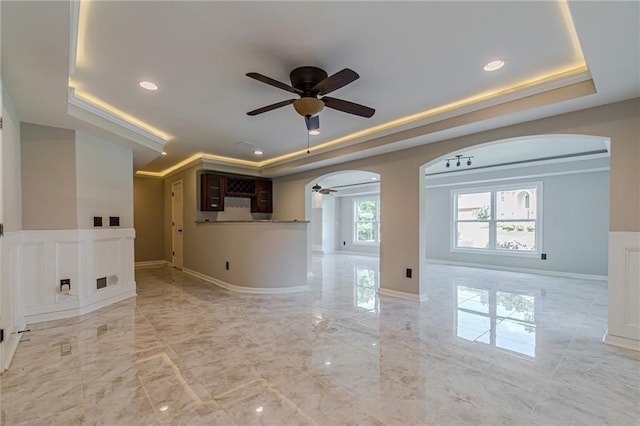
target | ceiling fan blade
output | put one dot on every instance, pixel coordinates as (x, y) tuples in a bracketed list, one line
[(348, 107), (271, 107), (272, 82), (312, 122), (335, 81)]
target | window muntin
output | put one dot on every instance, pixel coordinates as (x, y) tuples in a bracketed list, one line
[(497, 220), (366, 213)]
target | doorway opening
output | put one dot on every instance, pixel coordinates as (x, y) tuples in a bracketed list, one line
[(344, 213), (538, 203), (176, 224)]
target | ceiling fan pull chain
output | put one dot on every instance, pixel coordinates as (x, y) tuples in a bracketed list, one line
[(308, 151)]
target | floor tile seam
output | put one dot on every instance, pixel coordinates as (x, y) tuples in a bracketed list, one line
[(179, 375), (149, 401)]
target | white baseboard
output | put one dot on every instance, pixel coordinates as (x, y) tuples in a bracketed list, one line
[(151, 264), (523, 270), (356, 253), (79, 310), (622, 342), (402, 295), (240, 289)]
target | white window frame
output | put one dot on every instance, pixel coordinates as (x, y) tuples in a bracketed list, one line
[(376, 229), (494, 190)]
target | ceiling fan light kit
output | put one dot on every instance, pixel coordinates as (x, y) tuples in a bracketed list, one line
[(307, 107)]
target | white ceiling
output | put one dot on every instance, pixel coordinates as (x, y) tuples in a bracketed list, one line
[(411, 57)]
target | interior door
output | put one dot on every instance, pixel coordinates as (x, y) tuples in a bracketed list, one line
[(176, 224)]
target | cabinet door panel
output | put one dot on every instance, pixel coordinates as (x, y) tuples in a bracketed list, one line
[(211, 192)]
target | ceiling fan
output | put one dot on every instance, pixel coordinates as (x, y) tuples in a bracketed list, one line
[(321, 190), (309, 83)]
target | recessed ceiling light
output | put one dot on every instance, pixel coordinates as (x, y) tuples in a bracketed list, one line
[(259, 409), (164, 408), (148, 85), (164, 153), (314, 132), (257, 152), (494, 65)]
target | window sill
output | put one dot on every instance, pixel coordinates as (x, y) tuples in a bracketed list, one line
[(531, 255)]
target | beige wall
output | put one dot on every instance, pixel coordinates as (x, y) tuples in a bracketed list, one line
[(48, 159), (11, 212), (401, 190), (104, 183), (148, 220)]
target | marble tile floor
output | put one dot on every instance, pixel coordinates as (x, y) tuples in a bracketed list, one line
[(488, 347)]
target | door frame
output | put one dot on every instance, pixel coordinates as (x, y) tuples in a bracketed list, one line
[(177, 261)]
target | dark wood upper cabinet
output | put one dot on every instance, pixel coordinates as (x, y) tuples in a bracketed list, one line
[(262, 202), (212, 192), (214, 187)]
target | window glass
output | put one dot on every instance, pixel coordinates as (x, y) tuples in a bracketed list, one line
[(474, 206), (366, 221), (503, 219), (520, 236), (516, 204), (473, 234)]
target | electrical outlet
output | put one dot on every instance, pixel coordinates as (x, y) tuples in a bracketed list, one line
[(543, 256), (226, 266), (97, 221), (409, 273), (65, 286), (114, 220)]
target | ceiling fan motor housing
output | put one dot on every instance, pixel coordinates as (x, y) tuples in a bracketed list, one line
[(304, 78)]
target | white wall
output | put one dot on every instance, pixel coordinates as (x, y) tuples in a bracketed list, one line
[(12, 190), (575, 216), (104, 181), (11, 319), (317, 229), (329, 225)]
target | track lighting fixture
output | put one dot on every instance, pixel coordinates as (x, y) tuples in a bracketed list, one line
[(457, 159)]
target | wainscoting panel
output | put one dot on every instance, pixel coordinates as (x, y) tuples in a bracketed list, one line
[(33, 290), (624, 290), (83, 256)]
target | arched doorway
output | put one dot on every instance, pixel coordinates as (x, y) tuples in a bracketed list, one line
[(536, 205), (344, 213)]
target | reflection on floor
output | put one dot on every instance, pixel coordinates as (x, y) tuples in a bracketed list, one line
[(502, 319), (488, 347)]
